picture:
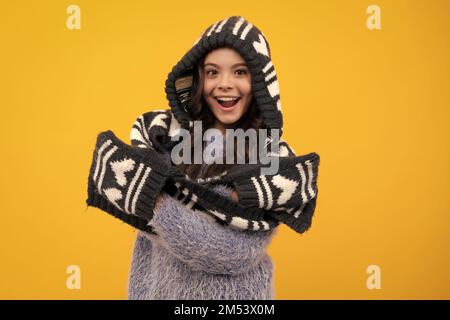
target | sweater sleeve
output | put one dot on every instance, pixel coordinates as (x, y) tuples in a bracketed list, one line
[(129, 178), (125, 180), (293, 185), (206, 245), (151, 129)]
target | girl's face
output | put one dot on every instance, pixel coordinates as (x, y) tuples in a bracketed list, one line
[(227, 88)]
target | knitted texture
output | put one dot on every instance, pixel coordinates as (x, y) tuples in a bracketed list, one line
[(125, 180), (288, 197), (195, 258), (241, 35), (198, 243)]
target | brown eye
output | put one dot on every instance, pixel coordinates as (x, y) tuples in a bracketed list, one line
[(241, 72), (211, 72)]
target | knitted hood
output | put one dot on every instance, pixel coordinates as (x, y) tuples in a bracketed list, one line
[(252, 45)]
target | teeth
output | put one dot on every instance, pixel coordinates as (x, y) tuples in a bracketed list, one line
[(227, 98)]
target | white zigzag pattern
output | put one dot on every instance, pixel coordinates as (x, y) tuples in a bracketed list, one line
[(219, 28), (175, 126), (159, 121), (246, 31), (268, 192), (131, 188), (303, 176), (139, 134), (104, 161), (310, 173), (120, 167), (141, 125), (139, 189), (273, 87), (259, 192), (136, 135), (238, 25), (212, 29), (99, 158), (113, 195), (287, 186), (274, 90)]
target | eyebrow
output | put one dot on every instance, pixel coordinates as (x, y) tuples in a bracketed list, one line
[(233, 66)]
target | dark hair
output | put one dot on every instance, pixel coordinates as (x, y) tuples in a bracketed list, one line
[(199, 110)]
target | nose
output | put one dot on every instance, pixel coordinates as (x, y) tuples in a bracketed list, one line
[(225, 82)]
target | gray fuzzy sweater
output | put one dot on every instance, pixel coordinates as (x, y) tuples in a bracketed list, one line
[(194, 257)]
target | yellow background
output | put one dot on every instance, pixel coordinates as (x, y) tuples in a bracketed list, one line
[(373, 104)]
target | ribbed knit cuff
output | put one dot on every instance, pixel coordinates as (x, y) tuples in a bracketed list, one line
[(127, 177), (247, 194), (96, 200)]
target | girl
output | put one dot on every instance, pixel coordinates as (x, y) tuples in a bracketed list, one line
[(225, 81), (197, 258)]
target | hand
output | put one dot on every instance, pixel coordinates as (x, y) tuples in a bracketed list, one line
[(158, 203), (234, 196)]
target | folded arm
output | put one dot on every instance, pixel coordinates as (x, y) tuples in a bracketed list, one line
[(206, 245)]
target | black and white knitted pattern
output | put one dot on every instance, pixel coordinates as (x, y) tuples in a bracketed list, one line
[(125, 180), (162, 123), (241, 35), (129, 178)]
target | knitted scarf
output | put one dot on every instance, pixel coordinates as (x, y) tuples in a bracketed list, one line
[(125, 180)]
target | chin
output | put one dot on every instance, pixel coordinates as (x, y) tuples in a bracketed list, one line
[(228, 119)]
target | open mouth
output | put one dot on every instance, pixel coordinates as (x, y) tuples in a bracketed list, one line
[(228, 102)]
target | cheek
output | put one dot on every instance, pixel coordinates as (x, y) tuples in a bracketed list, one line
[(246, 88), (207, 87), (247, 91)]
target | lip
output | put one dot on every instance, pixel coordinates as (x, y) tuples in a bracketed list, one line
[(227, 109)]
